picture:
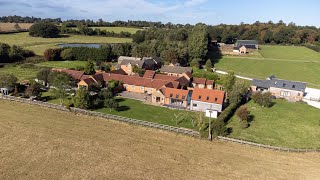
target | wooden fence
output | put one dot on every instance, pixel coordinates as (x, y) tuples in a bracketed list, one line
[(183, 131), (188, 132)]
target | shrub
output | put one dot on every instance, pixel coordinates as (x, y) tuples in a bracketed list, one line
[(208, 65), (52, 54), (243, 113), (67, 54), (195, 62), (263, 99), (44, 30)]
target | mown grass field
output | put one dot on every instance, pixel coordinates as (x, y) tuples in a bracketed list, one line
[(39, 45), (7, 27), (40, 143), (138, 110), (118, 29), (286, 62), (285, 124), (62, 64)]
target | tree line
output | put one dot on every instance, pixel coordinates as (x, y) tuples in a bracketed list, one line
[(10, 54), (266, 33)]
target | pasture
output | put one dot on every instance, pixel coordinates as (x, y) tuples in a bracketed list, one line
[(39, 45), (62, 64), (118, 29), (286, 62), (60, 145), (285, 124), (21, 72), (8, 27)]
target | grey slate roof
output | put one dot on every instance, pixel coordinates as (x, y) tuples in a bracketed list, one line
[(247, 42), (280, 83), (132, 62), (175, 69)]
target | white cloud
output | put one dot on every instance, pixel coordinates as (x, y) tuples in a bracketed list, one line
[(191, 3)]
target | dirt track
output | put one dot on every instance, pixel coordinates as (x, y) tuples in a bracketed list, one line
[(38, 143)]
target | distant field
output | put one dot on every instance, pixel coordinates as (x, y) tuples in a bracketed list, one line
[(7, 27), (287, 62), (289, 53), (284, 124), (39, 45), (40, 143), (118, 29), (62, 64)]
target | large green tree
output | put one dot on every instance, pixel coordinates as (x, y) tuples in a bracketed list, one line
[(44, 30), (89, 68), (198, 41), (8, 80), (81, 99)]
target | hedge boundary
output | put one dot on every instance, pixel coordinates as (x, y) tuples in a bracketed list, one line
[(183, 131)]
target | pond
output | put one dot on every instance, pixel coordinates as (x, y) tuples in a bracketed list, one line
[(80, 45)]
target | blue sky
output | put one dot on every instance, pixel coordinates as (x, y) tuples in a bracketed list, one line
[(302, 12)]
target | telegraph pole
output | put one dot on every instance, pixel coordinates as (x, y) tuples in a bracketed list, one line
[(210, 133)]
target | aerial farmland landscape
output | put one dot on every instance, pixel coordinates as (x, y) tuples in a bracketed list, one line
[(159, 90)]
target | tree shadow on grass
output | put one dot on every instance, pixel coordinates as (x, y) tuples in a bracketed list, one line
[(119, 100), (123, 108), (63, 36)]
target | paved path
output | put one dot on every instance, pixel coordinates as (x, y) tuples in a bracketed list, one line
[(312, 96)]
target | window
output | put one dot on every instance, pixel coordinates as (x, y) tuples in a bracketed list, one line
[(133, 87), (177, 96), (284, 85), (298, 94), (126, 86), (285, 93), (215, 99), (293, 86), (171, 95), (183, 97), (194, 105), (207, 98), (141, 87), (199, 97)]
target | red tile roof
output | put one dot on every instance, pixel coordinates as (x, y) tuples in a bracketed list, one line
[(199, 81), (208, 95), (165, 77), (210, 82), (149, 74), (73, 73), (180, 94)]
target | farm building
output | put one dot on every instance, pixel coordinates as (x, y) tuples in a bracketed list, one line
[(204, 99), (290, 90), (248, 44)]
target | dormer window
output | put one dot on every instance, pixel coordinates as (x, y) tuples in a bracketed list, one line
[(207, 98), (183, 97), (171, 95), (293, 86), (215, 99), (199, 97), (284, 85), (177, 96)]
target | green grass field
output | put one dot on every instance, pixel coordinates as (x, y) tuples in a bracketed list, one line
[(19, 72), (285, 124), (289, 53), (286, 62), (118, 29), (39, 45), (138, 110), (62, 64)]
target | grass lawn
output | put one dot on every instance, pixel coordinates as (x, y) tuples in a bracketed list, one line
[(138, 110), (20, 72), (38, 45), (262, 68), (289, 53), (118, 29), (297, 63), (62, 64), (285, 124)]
